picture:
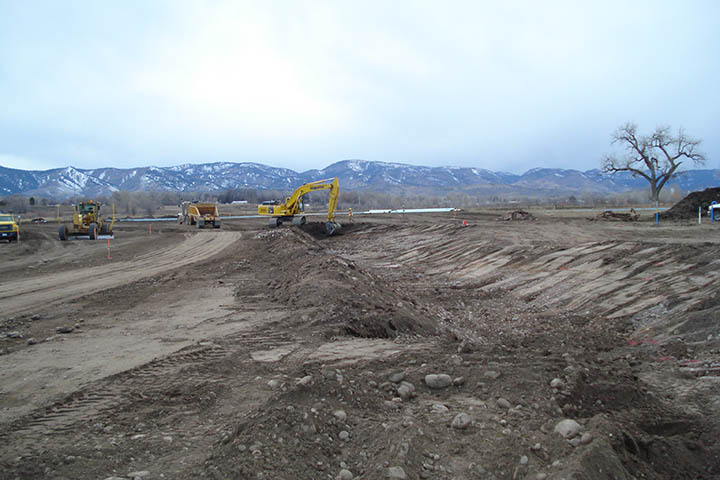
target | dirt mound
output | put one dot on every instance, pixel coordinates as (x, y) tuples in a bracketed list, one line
[(317, 229), (609, 215), (352, 301), (517, 215), (687, 208)]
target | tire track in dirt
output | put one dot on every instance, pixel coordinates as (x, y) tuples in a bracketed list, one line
[(184, 368), (26, 435), (22, 295)]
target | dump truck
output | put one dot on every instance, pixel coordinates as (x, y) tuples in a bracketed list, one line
[(9, 229), (199, 214), (87, 222), (291, 210)]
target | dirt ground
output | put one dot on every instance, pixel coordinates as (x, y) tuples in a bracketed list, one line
[(410, 346)]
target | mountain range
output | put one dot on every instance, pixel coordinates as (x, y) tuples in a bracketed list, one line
[(357, 175)]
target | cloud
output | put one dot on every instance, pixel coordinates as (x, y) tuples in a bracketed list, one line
[(24, 163), (303, 84)]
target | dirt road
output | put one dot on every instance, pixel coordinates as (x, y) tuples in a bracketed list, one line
[(19, 295), (282, 354)]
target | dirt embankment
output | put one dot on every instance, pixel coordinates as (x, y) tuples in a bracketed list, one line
[(352, 301)]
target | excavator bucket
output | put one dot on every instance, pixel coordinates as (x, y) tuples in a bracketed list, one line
[(331, 228)]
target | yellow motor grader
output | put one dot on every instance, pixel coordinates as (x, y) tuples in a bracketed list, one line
[(87, 222), (292, 208)]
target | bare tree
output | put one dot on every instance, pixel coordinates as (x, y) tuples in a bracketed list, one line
[(655, 157)]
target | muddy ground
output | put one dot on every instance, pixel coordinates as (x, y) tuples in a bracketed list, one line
[(282, 354)]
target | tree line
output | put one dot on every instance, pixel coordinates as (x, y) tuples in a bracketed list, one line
[(148, 203)]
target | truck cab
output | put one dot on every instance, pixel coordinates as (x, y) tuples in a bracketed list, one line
[(714, 211), (9, 229)]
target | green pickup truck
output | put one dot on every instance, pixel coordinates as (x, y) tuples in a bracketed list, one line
[(9, 229)]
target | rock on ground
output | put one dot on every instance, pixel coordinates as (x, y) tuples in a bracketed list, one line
[(568, 428), (461, 421), (406, 390), (396, 472), (438, 380)]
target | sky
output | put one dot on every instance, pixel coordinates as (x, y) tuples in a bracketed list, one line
[(506, 86)]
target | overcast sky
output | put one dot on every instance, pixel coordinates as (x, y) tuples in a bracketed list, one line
[(302, 84)]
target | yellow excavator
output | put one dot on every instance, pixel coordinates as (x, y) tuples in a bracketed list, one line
[(292, 208)]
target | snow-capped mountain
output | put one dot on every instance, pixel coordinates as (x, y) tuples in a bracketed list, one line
[(353, 174), (365, 175)]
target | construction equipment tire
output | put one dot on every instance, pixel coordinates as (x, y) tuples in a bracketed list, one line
[(93, 231), (199, 224), (62, 233)]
